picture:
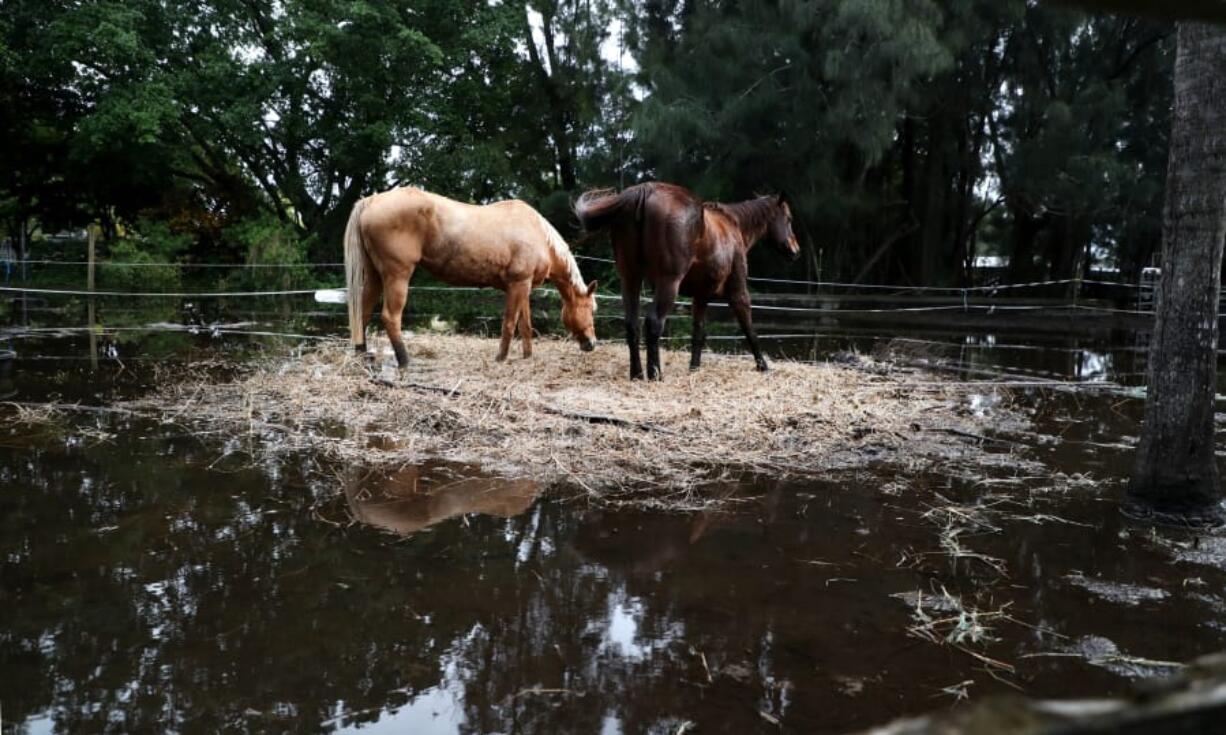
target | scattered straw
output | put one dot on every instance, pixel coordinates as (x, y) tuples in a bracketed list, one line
[(570, 418)]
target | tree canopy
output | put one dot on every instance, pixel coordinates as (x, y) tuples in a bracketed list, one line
[(912, 136)]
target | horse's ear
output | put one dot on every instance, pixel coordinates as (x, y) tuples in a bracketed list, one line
[(785, 199), (591, 288)]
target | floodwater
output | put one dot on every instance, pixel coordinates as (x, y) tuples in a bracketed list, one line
[(153, 578)]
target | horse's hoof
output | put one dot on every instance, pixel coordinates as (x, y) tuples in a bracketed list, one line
[(500, 358), (763, 367), (636, 376)]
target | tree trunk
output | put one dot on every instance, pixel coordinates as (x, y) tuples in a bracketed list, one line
[(1026, 231), (932, 239), (1176, 476), (558, 108)]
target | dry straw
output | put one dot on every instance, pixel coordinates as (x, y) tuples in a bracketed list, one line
[(572, 419)]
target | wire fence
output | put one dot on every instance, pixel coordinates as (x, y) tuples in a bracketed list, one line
[(610, 261), (839, 299), (929, 289), (966, 299), (831, 310)]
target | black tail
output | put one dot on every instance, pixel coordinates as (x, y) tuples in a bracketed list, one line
[(599, 209)]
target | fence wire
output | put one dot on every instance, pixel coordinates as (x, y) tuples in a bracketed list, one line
[(962, 295)]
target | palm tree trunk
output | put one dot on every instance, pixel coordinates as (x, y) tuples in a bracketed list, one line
[(1176, 476)]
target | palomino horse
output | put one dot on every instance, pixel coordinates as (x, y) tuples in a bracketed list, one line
[(680, 243), (506, 245)]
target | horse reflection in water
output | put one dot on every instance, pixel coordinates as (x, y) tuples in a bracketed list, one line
[(643, 543), (414, 498)]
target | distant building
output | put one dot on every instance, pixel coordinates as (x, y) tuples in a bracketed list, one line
[(991, 262), (66, 236)]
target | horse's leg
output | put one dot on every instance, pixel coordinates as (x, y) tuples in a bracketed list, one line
[(631, 288), (395, 296), (698, 337), (370, 295), (657, 315), (516, 293), (525, 323), (738, 299)]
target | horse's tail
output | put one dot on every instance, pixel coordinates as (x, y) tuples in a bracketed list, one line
[(600, 208), (355, 273)]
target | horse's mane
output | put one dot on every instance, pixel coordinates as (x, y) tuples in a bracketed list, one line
[(750, 214), (558, 245)]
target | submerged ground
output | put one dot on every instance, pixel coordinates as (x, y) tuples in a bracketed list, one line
[(156, 574)]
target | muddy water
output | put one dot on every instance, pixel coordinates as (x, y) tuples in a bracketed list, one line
[(156, 579)]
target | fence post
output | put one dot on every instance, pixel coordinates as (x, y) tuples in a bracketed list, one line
[(25, 276), (89, 273)]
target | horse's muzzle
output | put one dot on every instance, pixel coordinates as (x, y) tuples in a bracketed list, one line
[(587, 345)]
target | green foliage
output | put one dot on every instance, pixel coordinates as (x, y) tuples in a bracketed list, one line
[(910, 134), (807, 93), (895, 125), (135, 257), (276, 256), (140, 277), (1083, 126)]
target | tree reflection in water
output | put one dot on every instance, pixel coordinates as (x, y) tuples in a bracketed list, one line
[(145, 591), (149, 586)]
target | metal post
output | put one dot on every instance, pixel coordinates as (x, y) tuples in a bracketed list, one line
[(89, 286), (22, 252), (25, 296)]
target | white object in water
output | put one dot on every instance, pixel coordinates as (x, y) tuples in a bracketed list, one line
[(331, 296)]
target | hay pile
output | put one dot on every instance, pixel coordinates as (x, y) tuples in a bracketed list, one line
[(565, 417)]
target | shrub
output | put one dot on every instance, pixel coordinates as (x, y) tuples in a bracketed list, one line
[(276, 256), (129, 265)]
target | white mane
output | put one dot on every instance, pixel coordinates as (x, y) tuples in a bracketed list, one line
[(562, 250)]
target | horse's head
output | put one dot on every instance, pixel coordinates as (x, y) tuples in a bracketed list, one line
[(579, 316), (779, 229)]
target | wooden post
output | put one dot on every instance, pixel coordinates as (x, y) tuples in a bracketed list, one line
[(89, 277), (89, 286)]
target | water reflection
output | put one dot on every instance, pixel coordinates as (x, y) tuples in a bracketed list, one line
[(416, 497), (144, 591), (147, 587), (8, 388)]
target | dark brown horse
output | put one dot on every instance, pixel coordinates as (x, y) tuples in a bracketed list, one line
[(668, 235)]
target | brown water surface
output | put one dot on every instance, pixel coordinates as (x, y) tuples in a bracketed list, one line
[(155, 579)]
